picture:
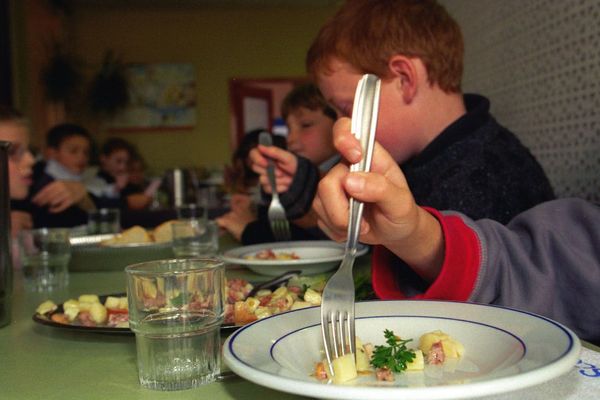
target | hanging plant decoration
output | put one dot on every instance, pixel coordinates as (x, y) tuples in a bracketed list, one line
[(62, 76), (109, 90)]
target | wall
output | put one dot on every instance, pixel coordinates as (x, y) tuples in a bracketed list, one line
[(223, 42), (539, 63)]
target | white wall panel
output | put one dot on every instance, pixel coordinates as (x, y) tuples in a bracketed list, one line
[(538, 61)]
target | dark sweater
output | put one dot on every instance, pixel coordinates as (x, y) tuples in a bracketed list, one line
[(477, 167)]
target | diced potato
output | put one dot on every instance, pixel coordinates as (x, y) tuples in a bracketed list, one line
[(123, 303), (344, 368), (418, 363), (252, 303), (46, 307), (300, 304), (89, 298), (262, 312), (452, 348), (362, 359), (71, 308), (72, 313), (98, 313), (112, 302), (263, 293), (312, 296), (280, 292)]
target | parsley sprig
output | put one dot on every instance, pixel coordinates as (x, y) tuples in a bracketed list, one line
[(394, 356)]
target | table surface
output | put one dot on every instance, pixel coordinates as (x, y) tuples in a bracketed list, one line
[(43, 362)]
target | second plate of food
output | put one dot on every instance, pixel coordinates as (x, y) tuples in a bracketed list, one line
[(310, 257)]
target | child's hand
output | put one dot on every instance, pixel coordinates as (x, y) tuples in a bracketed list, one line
[(20, 220), (286, 164), (60, 195), (390, 211), (390, 218)]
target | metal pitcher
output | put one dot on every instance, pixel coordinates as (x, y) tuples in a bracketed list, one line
[(181, 186), (5, 255)]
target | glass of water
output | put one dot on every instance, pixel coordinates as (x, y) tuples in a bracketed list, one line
[(195, 238), (45, 255), (176, 308)]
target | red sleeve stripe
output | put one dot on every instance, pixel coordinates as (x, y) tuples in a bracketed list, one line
[(459, 271)]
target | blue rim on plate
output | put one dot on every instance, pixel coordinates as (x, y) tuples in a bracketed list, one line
[(506, 350)]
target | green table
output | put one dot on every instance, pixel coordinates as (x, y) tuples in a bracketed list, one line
[(42, 362)]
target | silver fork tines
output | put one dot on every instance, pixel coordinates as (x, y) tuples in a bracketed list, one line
[(337, 304), (276, 213)]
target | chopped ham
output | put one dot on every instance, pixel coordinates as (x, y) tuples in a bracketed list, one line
[(384, 374), (436, 355), (320, 372)]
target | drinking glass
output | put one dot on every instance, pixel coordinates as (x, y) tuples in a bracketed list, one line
[(195, 238), (191, 211), (104, 220), (45, 255), (176, 308)]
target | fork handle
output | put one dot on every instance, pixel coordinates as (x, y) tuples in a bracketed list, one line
[(266, 140), (364, 124)]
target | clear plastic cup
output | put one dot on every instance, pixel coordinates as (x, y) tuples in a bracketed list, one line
[(176, 308)]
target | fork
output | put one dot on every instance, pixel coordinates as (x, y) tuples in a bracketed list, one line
[(337, 304), (277, 218)]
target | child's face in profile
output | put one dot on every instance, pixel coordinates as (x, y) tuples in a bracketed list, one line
[(73, 153), (310, 134), (20, 159), (115, 163), (397, 128)]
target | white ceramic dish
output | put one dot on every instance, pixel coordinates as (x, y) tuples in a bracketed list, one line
[(316, 256), (505, 350)]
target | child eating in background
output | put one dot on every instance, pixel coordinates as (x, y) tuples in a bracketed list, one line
[(58, 197), (15, 129), (111, 185), (310, 152)]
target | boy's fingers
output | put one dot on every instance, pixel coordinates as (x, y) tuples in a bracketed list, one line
[(331, 202), (345, 142)]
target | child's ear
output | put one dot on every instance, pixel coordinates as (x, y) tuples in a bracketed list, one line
[(404, 71)]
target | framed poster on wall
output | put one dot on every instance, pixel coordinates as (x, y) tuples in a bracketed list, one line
[(161, 97)]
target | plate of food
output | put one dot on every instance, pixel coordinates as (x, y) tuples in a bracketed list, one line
[(310, 256), (466, 350), (245, 303), (116, 251)]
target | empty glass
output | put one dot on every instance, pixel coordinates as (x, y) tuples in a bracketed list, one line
[(45, 255), (195, 238), (176, 308)]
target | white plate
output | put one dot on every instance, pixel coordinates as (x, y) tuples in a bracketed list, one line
[(505, 350), (316, 256)]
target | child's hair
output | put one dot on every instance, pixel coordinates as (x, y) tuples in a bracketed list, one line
[(306, 95), (115, 144), (59, 133), (9, 114), (367, 33)]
